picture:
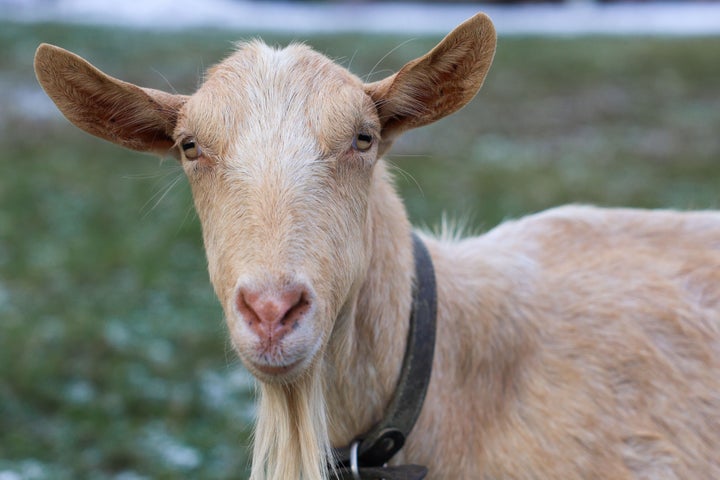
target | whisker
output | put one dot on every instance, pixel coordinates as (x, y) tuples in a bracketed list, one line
[(372, 70), (170, 85), (149, 176), (407, 175), (159, 196), (190, 210), (351, 59)]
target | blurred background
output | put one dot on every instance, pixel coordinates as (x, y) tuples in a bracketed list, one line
[(114, 360)]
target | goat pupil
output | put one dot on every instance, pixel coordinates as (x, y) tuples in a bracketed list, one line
[(192, 151), (362, 141)]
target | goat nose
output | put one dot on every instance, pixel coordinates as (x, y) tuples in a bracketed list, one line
[(272, 313)]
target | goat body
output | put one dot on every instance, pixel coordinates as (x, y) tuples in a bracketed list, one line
[(576, 343)]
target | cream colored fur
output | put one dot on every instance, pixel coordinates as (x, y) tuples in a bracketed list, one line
[(578, 343)]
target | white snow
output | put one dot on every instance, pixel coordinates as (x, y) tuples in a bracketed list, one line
[(573, 18)]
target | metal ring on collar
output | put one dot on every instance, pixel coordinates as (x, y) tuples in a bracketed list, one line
[(354, 460)]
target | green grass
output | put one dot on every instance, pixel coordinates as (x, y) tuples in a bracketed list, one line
[(114, 361)]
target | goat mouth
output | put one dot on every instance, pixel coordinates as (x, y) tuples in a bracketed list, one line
[(275, 371), (277, 363)]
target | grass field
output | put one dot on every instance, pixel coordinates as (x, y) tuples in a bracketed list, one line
[(114, 362)]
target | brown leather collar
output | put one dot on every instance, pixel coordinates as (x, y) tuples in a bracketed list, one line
[(366, 457)]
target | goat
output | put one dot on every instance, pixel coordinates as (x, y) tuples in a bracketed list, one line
[(575, 343)]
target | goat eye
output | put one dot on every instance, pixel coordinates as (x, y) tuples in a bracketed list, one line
[(191, 149), (362, 142)]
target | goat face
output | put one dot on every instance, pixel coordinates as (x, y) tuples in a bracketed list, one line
[(279, 147)]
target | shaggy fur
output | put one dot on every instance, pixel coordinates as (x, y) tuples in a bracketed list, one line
[(578, 343)]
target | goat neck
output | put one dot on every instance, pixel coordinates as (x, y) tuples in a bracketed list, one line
[(366, 348)]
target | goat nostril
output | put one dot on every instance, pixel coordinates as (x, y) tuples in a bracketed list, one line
[(295, 312), (273, 312)]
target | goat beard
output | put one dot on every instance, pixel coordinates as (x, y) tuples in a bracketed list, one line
[(291, 433)]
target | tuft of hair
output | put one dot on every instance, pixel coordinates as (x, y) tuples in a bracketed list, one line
[(452, 229), (291, 434)]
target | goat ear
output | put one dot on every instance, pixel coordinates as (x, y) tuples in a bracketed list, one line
[(138, 118), (438, 83)]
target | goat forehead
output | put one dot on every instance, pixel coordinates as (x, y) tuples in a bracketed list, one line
[(269, 96)]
